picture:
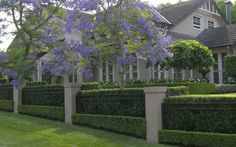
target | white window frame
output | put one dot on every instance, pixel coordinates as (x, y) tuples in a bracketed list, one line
[(211, 20), (195, 26), (160, 71), (130, 68), (107, 74)]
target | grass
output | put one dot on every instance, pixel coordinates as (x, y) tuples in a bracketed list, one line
[(20, 130)]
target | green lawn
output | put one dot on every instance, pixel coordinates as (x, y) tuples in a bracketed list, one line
[(20, 130)]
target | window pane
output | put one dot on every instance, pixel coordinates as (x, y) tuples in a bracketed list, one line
[(110, 71), (104, 71), (197, 22), (135, 71)]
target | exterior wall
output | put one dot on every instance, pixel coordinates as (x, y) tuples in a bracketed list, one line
[(186, 26), (144, 72)]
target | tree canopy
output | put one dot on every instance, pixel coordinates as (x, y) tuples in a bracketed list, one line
[(221, 5), (190, 54), (122, 29)]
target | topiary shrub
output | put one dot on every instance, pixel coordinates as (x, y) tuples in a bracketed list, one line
[(135, 126), (230, 66)]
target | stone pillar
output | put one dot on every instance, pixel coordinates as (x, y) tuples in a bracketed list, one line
[(70, 92), (154, 97), (17, 98)]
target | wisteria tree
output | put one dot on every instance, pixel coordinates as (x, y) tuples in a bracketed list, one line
[(115, 31)]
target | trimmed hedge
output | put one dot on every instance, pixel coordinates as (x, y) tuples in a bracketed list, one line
[(54, 113), (226, 88), (6, 92), (199, 99), (213, 113), (98, 85), (202, 88), (127, 102), (175, 91), (135, 126), (198, 139), (46, 95), (230, 66), (3, 81), (6, 105), (36, 83)]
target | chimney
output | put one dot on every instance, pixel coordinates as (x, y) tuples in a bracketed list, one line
[(228, 11)]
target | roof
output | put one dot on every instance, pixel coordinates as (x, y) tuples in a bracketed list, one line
[(218, 37), (177, 36), (175, 13)]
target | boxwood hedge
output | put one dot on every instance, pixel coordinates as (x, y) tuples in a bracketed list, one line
[(127, 102), (213, 113), (6, 91), (197, 139), (49, 112), (6, 105), (46, 95), (135, 126)]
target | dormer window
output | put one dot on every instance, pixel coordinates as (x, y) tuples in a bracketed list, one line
[(197, 22), (211, 24)]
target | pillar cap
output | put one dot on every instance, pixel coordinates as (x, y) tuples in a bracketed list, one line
[(155, 89), (72, 85)]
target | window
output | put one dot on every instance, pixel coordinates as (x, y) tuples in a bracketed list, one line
[(211, 24), (131, 71), (106, 72), (177, 73), (225, 77), (216, 69), (158, 72), (197, 22)]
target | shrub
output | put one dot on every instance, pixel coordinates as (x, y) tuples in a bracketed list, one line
[(98, 85), (174, 91), (47, 95), (127, 102), (230, 66), (128, 125), (200, 139), (6, 105), (206, 114), (3, 81), (202, 88), (202, 99), (226, 88), (6, 92), (55, 113), (90, 86), (36, 83)]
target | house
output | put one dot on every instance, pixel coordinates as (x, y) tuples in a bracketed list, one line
[(194, 19)]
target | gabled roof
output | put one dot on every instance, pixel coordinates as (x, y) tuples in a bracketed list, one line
[(178, 12), (175, 13), (218, 37)]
